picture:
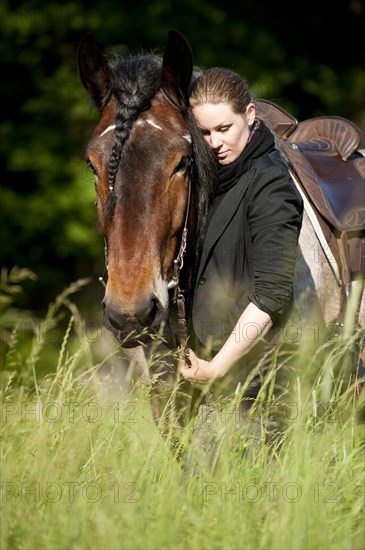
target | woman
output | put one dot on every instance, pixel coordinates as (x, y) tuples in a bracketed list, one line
[(244, 284)]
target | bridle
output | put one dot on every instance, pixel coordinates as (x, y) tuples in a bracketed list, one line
[(178, 294), (173, 283)]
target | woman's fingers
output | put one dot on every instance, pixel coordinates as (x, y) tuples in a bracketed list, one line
[(193, 369), (189, 366), (187, 356)]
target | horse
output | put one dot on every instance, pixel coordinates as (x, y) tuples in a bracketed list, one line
[(154, 177)]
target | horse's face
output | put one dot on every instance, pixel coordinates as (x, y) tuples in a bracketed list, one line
[(143, 231), (142, 213)]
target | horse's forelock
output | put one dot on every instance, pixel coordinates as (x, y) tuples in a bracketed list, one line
[(134, 82)]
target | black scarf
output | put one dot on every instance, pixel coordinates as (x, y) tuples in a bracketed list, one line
[(260, 143)]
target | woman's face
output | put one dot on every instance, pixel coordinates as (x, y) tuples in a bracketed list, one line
[(226, 132)]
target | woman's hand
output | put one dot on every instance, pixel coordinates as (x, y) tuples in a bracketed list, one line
[(250, 329), (197, 370)]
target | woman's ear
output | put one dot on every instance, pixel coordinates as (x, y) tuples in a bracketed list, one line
[(250, 113)]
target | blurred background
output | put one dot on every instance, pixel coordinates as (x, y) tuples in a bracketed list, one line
[(308, 57)]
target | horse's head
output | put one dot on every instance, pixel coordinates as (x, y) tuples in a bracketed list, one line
[(141, 154)]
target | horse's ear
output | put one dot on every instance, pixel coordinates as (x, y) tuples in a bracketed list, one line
[(177, 66), (92, 69)]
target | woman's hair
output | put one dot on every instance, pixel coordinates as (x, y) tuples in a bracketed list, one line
[(217, 85)]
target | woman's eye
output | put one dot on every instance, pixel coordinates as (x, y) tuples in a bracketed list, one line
[(225, 129)]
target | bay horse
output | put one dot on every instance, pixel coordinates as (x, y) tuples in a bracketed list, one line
[(154, 176)]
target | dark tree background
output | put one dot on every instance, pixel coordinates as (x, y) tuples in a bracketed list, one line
[(308, 58)]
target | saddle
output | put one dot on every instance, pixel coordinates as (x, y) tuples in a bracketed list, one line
[(323, 158)]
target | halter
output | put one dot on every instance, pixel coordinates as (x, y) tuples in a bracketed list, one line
[(173, 283)]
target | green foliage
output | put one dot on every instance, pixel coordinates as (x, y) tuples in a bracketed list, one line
[(10, 285), (13, 321), (84, 466)]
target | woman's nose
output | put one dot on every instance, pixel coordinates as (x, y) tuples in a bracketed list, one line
[(215, 141)]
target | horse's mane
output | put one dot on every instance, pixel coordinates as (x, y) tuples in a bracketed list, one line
[(134, 81)]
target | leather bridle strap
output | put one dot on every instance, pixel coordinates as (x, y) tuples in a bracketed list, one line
[(178, 296), (173, 283)]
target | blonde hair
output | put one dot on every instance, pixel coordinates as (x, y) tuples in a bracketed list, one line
[(217, 85)]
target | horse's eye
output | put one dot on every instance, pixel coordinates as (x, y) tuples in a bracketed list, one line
[(182, 166)]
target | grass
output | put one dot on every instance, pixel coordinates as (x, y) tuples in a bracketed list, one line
[(85, 468)]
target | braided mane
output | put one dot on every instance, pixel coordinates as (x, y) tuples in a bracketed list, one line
[(134, 81)]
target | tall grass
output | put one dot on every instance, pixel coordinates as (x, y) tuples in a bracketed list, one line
[(87, 468)]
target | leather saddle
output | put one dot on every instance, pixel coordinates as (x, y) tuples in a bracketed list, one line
[(323, 157)]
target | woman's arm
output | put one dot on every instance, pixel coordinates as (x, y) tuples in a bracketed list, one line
[(250, 328), (274, 216)]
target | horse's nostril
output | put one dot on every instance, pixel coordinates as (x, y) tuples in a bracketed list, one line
[(113, 316), (149, 313)]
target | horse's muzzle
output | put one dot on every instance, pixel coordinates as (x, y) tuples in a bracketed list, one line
[(135, 324)]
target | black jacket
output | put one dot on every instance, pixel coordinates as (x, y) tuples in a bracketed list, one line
[(249, 251)]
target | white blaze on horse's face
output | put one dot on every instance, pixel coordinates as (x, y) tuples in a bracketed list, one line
[(153, 123), (112, 127), (150, 121)]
